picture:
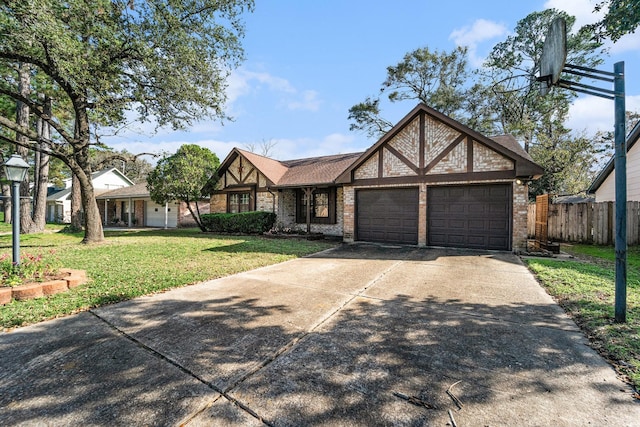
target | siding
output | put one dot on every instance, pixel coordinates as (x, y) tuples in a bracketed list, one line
[(606, 192)]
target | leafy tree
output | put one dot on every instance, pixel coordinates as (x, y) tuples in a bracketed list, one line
[(512, 103), (183, 176), (435, 78), (134, 166), (166, 60), (623, 17)]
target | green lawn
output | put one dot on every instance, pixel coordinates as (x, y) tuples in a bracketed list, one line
[(130, 264), (585, 288)]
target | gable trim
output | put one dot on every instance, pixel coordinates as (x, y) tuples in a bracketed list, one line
[(402, 158), (445, 152), (523, 166)]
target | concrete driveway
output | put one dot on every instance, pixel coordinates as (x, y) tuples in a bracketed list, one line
[(334, 339)]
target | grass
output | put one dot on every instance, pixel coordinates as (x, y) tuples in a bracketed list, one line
[(129, 264), (585, 288)]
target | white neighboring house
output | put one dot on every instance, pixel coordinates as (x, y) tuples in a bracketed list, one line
[(59, 203), (604, 185), (132, 206)]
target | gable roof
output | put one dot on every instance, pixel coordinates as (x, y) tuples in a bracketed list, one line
[(115, 171), (504, 144), (323, 170), (632, 138), (316, 170), (136, 190), (272, 169)]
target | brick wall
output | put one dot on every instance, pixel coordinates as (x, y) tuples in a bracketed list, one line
[(265, 202), (218, 203), (287, 214), (520, 205)]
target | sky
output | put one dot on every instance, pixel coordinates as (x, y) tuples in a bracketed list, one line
[(307, 62)]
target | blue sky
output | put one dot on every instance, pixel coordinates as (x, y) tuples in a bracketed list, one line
[(307, 62)]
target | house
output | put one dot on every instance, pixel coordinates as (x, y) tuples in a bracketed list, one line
[(132, 206), (430, 181), (59, 202), (604, 186)]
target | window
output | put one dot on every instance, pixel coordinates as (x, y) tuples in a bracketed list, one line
[(323, 206), (239, 202)]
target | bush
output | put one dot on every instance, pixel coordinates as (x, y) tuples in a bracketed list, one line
[(245, 222)]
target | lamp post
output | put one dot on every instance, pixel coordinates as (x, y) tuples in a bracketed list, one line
[(15, 170)]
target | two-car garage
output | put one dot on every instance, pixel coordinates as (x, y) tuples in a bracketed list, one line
[(464, 216)]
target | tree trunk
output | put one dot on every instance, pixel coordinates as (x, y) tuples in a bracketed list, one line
[(76, 203), (41, 176), (195, 215), (22, 119), (93, 232)]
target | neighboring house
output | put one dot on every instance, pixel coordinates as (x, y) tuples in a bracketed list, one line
[(59, 202), (132, 206), (604, 186), (429, 181)]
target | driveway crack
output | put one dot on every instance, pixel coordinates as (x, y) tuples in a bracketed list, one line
[(157, 354)]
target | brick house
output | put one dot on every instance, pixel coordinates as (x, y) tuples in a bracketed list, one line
[(430, 181)]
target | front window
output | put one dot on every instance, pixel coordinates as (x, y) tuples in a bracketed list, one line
[(322, 209), (239, 202)]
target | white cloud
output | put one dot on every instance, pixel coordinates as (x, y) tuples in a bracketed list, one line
[(308, 102), (241, 82), (471, 36), (592, 114), (581, 9)]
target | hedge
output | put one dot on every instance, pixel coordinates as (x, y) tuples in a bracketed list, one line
[(245, 222)]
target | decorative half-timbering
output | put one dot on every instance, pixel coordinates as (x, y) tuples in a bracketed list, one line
[(429, 181), (434, 181)]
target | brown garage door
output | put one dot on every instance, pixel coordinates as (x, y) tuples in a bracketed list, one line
[(471, 216), (387, 216)]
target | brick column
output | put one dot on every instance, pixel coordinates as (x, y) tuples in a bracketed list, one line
[(349, 214)]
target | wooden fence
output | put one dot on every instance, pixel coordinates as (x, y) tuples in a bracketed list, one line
[(586, 222)]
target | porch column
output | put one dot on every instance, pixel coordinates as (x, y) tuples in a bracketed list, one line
[(166, 215), (129, 214), (106, 204), (308, 192)]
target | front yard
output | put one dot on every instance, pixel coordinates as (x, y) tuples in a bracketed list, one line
[(130, 264), (584, 287)]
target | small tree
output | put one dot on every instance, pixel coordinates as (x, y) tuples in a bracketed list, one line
[(183, 176)]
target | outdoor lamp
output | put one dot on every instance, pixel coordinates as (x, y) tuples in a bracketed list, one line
[(15, 170)]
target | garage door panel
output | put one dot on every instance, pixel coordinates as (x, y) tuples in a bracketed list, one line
[(387, 215), (471, 216)]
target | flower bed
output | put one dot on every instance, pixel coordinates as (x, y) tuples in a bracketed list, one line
[(35, 276), (68, 279)]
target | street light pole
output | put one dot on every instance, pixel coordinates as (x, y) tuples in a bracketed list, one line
[(15, 221), (15, 169)]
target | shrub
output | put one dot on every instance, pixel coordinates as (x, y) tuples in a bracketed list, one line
[(245, 222)]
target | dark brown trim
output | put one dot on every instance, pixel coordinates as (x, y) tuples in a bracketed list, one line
[(422, 143), (523, 165), (444, 152), (301, 217), (402, 158), (469, 155), (234, 177), (452, 177), (380, 163), (244, 180)]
